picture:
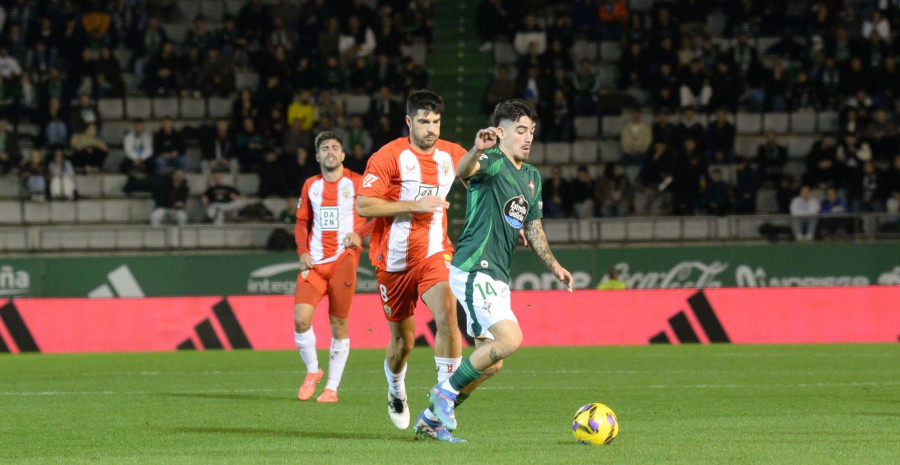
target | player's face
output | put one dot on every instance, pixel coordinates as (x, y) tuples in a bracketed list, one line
[(424, 129), (330, 155), (516, 138)]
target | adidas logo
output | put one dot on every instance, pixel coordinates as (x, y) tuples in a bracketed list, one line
[(123, 283), (683, 330), (19, 337), (222, 322)]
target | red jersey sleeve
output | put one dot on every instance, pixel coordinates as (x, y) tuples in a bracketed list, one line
[(304, 215), (381, 169)]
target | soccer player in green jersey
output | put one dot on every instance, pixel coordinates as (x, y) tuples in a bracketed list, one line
[(504, 197)]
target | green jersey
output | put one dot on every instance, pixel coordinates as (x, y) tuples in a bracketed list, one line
[(501, 199)]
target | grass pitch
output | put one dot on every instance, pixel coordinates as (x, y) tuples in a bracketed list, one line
[(718, 404)]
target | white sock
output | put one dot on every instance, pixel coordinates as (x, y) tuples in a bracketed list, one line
[(396, 381), (306, 344), (445, 367), (445, 385), (337, 359)]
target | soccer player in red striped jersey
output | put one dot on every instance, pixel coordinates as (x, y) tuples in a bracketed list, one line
[(329, 236), (405, 188)]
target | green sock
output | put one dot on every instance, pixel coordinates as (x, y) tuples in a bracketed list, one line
[(464, 375), (460, 398)]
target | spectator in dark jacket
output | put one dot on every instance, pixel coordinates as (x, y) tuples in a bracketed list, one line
[(771, 158), (170, 198)]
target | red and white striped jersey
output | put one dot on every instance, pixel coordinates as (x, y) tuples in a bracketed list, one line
[(331, 208), (397, 173)]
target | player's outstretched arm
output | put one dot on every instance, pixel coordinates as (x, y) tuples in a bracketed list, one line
[(468, 164), (377, 207), (534, 232)]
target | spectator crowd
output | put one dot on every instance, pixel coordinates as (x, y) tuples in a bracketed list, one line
[(692, 65)]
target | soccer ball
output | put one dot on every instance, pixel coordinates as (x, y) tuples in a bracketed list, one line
[(595, 424)]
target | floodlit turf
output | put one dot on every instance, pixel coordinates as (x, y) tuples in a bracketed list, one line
[(677, 404)]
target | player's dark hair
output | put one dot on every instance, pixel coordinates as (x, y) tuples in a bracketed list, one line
[(328, 135), (512, 109), (424, 100)]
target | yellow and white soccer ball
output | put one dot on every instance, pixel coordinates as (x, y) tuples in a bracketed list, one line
[(595, 424)]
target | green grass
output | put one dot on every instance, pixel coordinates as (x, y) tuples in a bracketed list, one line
[(677, 404)]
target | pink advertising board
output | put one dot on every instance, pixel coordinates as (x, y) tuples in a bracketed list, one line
[(548, 318)]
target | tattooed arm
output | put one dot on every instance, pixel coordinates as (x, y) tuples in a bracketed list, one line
[(534, 232)]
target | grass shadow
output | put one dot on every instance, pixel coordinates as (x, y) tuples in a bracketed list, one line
[(286, 433)]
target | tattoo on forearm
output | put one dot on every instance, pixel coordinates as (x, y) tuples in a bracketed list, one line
[(494, 356), (534, 232)]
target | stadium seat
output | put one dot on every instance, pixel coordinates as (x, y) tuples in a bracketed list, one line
[(193, 159), (113, 160), (113, 184), (62, 212), (124, 56), (558, 152), (799, 146), (538, 154), (115, 210), (557, 230), (803, 122), (89, 211), (90, 185), (612, 125), (165, 107), (746, 146), (274, 205), (139, 210), (192, 108), (138, 107), (10, 186), (584, 49), (177, 32), (134, 238), (610, 51), (213, 10), (610, 151), (586, 127), (607, 74), (219, 107), (613, 230), (131, 82), (113, 132), (189, 9), (504, 53), (667, 229), (212, 238), (14, 240), (36, 212), (356, 104), (247, 183), (640, 229), (10, 212), (777, 122), (695, 228), (748, 123), (246, 80), (100, 239), (196, 182), (828, 121), (766, 201), (585, 151), (111, 108), (417, 51)]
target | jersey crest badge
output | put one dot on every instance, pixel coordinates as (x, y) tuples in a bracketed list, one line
[(445, 167), (345, 192)]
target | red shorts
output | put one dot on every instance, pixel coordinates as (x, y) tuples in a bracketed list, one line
[(335, 279), (400, 291)]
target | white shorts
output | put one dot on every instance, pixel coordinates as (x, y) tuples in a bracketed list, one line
[(484, 299)]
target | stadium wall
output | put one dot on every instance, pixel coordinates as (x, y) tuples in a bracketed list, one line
[(864, 314), (778, 265)]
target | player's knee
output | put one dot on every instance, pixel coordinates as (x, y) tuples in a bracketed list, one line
[(302, 325)]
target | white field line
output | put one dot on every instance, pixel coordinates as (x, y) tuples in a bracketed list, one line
[(490, 388)]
